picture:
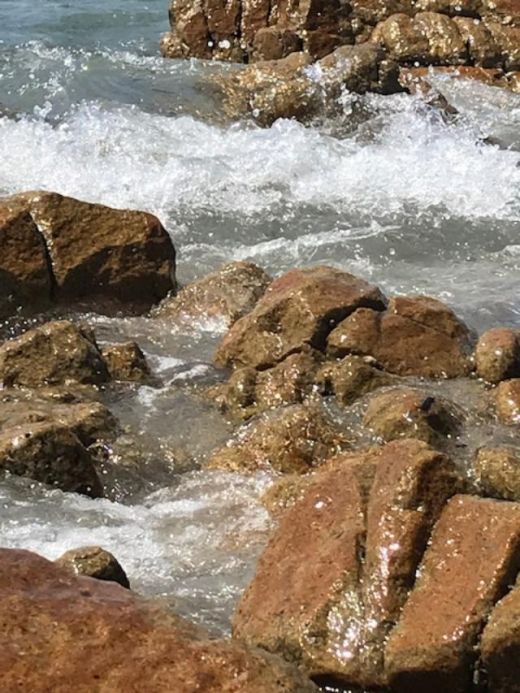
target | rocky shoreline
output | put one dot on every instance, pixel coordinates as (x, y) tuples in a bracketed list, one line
[(391, 428)]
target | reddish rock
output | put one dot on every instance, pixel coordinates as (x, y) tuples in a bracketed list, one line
[(500, 645), (473, 555), (126, 362), (228, 293), (54, 353), (497, 355), (415, 79), (300, 308), (272, 43), (99, 636), (507, 401), (351, 378), (414, 336), (99, 251), (94, 562), (294, 439), (497, 472), (411, 413), (25, 275)]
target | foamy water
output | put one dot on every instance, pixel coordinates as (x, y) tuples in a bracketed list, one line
[(392, 191)]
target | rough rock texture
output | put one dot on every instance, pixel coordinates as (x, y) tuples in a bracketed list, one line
[(507, 401), (473, 556), (126, 362), (411, 413), (497, 472), (285, 492), (54, 353), (417, 80), (294, 439), (25, 277), (300, 308), (228, 293), (500, 645), (349, 550), (101, 637), (351, 378), (414, 336), (99, 251), (94, 562), (497, 354)]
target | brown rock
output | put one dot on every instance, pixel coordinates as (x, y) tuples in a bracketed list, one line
[(100, 251), (190, 29), (237, 397), (126, 362), (473, 556), (500, 645), (228, 293), (507, 38), (25, 275), (482, 47), (415, 336), (285, 492), (335, 615), (273, 43), (411, 413), (54, 353), (294, 439), (300, 308), (507, 401), (497, 355), (222, 18), (415, 79), (50, 453), (255, 16), (497, 472), (351, 378), (126, 643), (360, 69), (94, 562)]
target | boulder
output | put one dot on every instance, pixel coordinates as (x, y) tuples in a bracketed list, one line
[(472, 557), (126, 362), (350, 378), (99, 636), (497, 355), (417, 80), (414, 336), (497, 472), (500, 645), (56, 352), (507, 401), (96, 251), (94, 562), (294, 439), (349, 549), (299, 308), (25, 274), (228, 294), (412, 413)]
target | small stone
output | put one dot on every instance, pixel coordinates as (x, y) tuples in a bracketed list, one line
[(497, 472), (126, 362), (507, 401), (94, 562)]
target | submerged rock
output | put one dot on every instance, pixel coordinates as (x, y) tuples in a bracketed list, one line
[(101, 636), (414, 336), (96, 251), (294, 439), (228, 294), (94, 562), (299, 309)]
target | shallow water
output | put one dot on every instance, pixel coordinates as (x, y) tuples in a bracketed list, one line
[(391, 191)]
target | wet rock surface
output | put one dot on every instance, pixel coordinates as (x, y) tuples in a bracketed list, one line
[(497, 471), (497, 355), (126, 642), (507, 401), (126, 362), (94, 562)]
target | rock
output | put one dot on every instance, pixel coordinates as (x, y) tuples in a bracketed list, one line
[(102, 637), (25, 275), (285, 492), (351, 378), (237, 397), (412, 413), (415, 79), (349, 550), (500, 645), (482, 47), (507, 38), (497, 471), (472, 557), (228, 294), (57, 352), (497, 354), (94, 562), (97, 251), (507, 401), (51, 454), (126, 362), (299, 308), (294, 439), (414, 336), (273, 43)]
